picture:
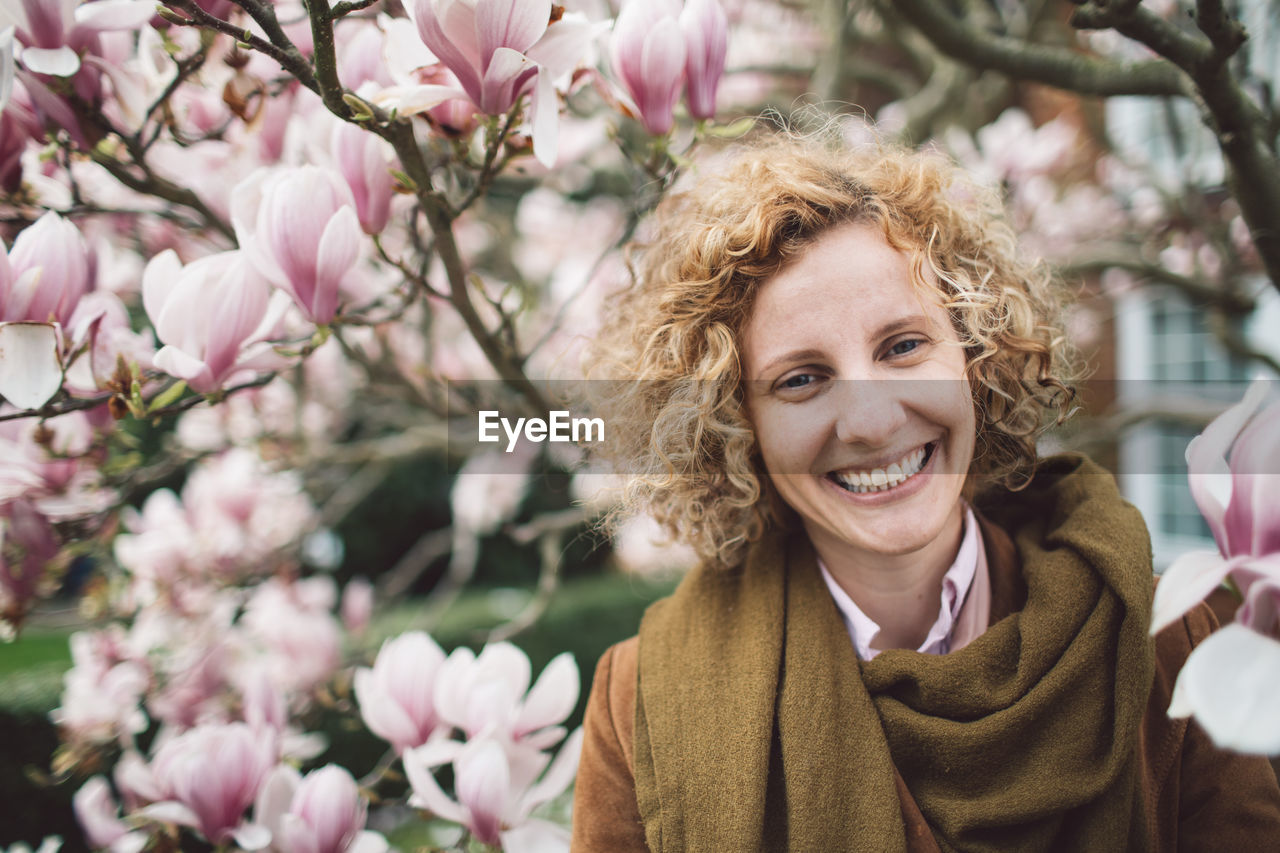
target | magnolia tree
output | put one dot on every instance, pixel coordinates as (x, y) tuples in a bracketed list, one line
[(295, 239)]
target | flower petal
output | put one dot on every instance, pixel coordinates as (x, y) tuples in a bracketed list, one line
[(553, 697), (1185, 583), (514, 24), (1229, 684), (55, 61), (30, 368), (1208, 474), (115, 14)]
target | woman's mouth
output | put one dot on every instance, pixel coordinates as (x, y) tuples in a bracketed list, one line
[(861, 482)]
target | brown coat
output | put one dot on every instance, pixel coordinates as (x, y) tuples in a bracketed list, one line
[(1197, 797)]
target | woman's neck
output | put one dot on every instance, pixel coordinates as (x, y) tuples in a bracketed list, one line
[(899, 592)]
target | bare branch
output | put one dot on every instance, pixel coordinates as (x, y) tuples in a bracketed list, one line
[(1056, 66), (1231, 301), (279, 48)]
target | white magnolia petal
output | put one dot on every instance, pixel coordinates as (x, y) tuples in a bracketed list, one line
[(427, 792), (275, 796), (6, 66), (411, 100), (115, 14), (251, 836), (546, 120), (1185, 583), (55, 61), (367, 841), (558, 776), (1231, 685), (553, 697), (169, 811), (536, 836), (30, 367)]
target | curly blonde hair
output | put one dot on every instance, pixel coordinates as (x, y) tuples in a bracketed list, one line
[(678, 426)]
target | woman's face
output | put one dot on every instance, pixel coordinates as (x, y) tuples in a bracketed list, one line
[(856, 388)]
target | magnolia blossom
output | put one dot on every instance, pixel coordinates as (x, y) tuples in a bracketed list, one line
[(485, 694), (322, 812), (502, 49), (1230, 682), (659, 47), (103, 690), (305, 237), (46, 272), (211, 315), (208, 777), (99, 816), (364, 161), (497, 788), (299, 638), (397, 696), (55, 32)]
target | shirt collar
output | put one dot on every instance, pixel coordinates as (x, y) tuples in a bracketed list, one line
[(863, 630)]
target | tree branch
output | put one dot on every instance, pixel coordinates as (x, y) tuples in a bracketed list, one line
[(1229, 301), (1056, 66)]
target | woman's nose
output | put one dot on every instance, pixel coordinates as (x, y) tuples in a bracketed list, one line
[(871, 411)]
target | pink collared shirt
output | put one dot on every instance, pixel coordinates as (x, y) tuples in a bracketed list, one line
[(964, 608)]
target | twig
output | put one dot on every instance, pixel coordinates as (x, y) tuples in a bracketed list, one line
[(430, 546), (1230, 301), (551, 553)]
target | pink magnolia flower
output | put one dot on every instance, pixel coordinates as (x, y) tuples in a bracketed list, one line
[(1231, 681), (322, 812), (649, 53), (306, 235), (56, 32), (496, 788), (46, 273), (295, 630), (209, 776), (502, 49), (365, 164), (487, 694), (211, 315), (99, 816), (357, 605), (706, 32), (397, 696)]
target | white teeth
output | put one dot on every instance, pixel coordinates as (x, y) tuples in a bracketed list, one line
[(880, 479)]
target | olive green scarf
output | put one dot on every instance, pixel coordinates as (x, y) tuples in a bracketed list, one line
[(758, 729)]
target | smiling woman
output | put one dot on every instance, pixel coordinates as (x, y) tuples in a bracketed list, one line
[(908, 632)]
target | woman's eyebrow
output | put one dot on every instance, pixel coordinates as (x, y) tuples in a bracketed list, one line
[(897, 325), (793, 355)]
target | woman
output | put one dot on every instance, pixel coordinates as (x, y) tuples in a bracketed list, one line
[(907, 632)]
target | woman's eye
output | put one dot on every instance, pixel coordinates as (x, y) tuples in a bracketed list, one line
[(904, 347), (798, 381)]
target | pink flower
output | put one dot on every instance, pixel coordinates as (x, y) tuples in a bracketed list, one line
[(210, 775), (397, 696), (306, 238), (649, 55), (1231, 681), (365, 164), (486, 694), (102, 694), (496, 788), (357, 605), (211, 316), (706, 32), (99, 816), (500, 50), (1240, 500), (322, 812), (56, 32), (46, 273), (484, 43)]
